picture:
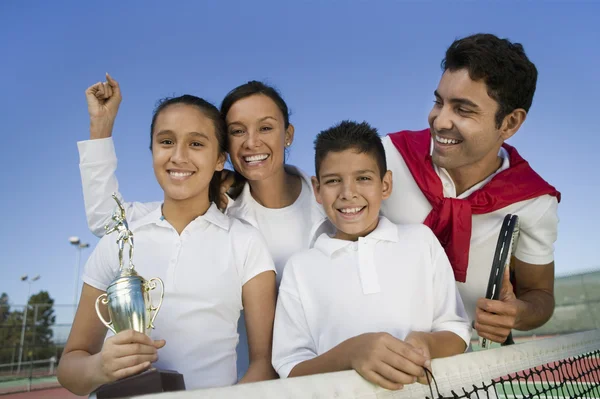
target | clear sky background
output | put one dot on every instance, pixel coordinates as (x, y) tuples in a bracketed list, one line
[(376, 61)]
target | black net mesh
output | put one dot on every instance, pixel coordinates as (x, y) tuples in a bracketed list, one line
[(575, 377)]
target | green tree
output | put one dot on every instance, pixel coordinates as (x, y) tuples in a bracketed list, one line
[(40, 320), (10, 327), (37, 343), (4, 307)]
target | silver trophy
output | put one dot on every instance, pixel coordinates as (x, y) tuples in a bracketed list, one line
[(128, 295)]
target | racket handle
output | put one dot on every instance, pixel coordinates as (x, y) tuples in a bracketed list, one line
[(484, 343), (509, 340)]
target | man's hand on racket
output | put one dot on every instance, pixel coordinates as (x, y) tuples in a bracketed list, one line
[(387, 361), (494, 319), (103, 100)]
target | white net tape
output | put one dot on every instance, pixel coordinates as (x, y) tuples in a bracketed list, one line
[(451, 373)]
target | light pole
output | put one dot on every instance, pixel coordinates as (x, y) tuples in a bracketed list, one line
[(26, 279), (76, 242)]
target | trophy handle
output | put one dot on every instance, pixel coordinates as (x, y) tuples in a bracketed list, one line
[(104, 298), (150, 285)]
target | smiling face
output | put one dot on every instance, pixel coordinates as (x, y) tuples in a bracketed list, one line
[(351, 190), (463, 124), (185, 153), (257, 137)]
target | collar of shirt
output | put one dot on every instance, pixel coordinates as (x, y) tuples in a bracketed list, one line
[(212, 216), (448, 184), (385, 231)]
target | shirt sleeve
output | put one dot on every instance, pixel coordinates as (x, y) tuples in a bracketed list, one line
[(102, 265), (538, 235), (97, 166), (449, 312), (292, 340), (258, 259)]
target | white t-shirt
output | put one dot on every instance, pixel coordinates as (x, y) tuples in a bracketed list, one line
[(203, 271), (537, 217), (286, 230), (395, 280)]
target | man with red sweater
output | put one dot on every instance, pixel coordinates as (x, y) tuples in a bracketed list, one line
[(461, 179)]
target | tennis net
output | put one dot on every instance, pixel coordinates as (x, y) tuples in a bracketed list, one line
[(559, 367)]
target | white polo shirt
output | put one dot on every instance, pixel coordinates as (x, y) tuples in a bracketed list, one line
[(395, 280), (203, 271), (538, 222)]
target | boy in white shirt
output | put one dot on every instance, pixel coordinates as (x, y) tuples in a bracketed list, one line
[(376, 297)]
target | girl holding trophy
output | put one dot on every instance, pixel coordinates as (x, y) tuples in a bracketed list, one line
[(276, 198), (212, 266)]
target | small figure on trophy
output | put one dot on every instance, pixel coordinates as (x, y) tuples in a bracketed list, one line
[(124, 236)]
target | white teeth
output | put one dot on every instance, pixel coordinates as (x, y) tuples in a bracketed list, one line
[(180, 174), (351, 210), (445, 140), (256, 158)]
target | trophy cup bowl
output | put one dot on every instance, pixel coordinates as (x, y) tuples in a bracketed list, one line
[(129, 303)]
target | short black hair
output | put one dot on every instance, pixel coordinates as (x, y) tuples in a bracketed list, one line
[(350, 135), (510, 76)]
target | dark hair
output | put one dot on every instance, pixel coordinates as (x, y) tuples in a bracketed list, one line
[(212, 113), (504, 67), (350, 135), (250, 89)]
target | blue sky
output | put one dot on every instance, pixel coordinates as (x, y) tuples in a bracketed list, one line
[(376, 61)]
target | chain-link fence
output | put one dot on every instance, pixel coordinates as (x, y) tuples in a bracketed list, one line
[(32, 339)]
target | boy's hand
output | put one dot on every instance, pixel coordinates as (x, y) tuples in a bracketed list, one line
[(417, 339), (103, 100), (387, 361), (127, 353)]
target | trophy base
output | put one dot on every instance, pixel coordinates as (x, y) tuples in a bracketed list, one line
[(150, 381)]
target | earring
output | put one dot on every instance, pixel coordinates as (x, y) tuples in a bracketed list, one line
[(287, 144)]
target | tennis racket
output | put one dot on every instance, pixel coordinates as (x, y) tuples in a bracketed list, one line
[(505, 249)]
